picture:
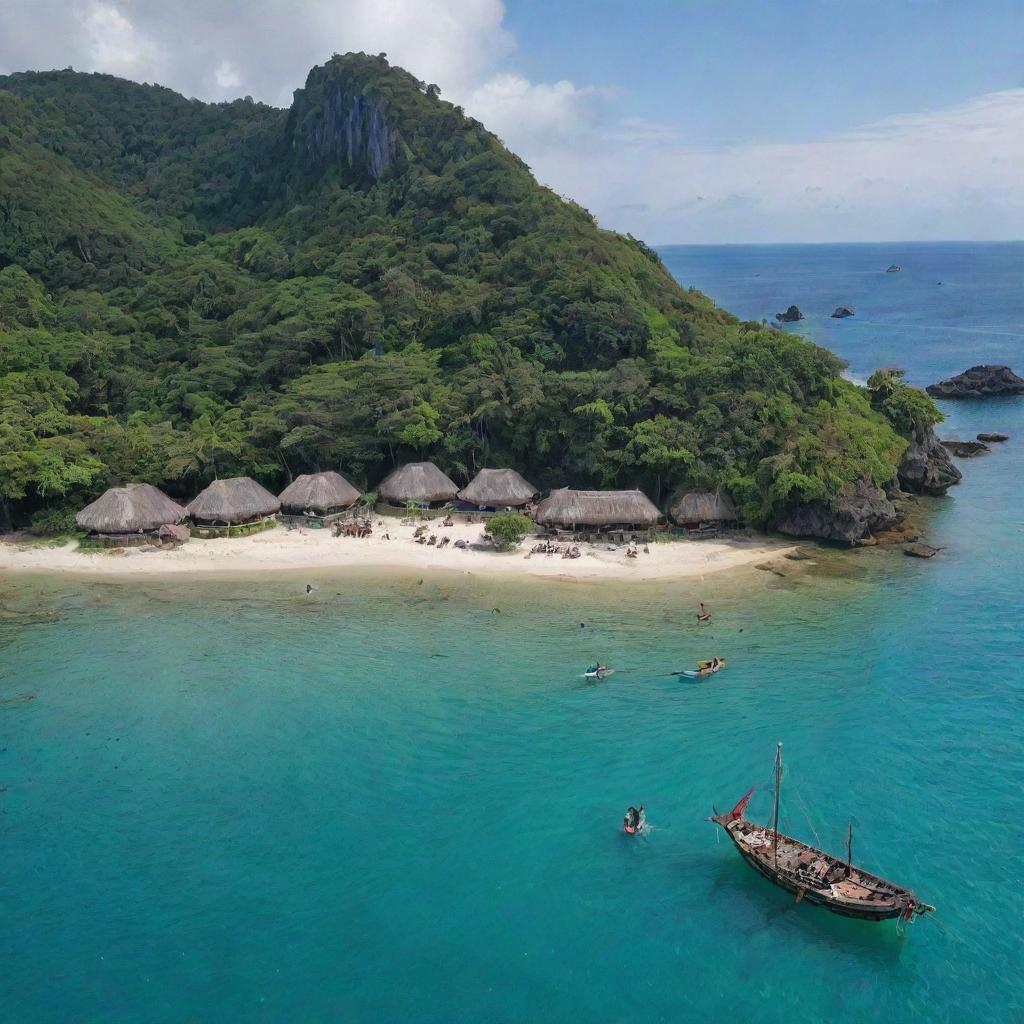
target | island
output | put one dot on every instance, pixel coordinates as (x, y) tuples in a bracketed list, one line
[(979, 382), (790, 316), (199, 292)]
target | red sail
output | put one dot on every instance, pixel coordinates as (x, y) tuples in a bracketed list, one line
[(737, 811)]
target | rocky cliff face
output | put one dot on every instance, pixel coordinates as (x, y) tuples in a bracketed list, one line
[(848, 520), (334, 121), (926, 467)]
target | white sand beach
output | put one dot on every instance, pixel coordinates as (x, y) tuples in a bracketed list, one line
[(282, 550)]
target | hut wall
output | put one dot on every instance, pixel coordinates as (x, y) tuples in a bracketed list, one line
[(119, 540), (205, 531), (435, 510), (316, 522)]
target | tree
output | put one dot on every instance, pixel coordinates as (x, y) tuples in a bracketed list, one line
[(507, 529)]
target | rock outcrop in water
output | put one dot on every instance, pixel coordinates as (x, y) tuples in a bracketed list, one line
[(994, 437), (841, 312), (965, 449), (926, 467), (850, 519), (791, 316), (979, 382)]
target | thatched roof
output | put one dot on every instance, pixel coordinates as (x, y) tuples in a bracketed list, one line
[(320, 492), (236, 500), (132, 509), (497, 488), (597, 508), (418, 481), (702, 507), (176, 531)]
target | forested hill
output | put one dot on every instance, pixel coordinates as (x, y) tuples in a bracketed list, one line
[(190, 290)]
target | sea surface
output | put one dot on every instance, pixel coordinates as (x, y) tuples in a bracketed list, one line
[(397, 799)]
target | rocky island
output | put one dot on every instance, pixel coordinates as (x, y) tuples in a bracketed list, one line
[(791, 316), (841, 312), (965, 449), (979, 382)]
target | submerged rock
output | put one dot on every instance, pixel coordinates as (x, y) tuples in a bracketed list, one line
[(893, 268), (993, 438), (778, 567), (850, 519), (926, 467), (842, 312), (979, 382), (921, 551), (801, 555), (790, 316), (965, 449)]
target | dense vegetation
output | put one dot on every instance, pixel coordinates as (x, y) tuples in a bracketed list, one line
[(190, 290)]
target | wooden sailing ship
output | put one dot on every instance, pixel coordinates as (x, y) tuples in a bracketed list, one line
[(815, 876)]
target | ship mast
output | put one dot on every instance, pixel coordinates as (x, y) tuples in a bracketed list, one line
[(778, 786), (849, 846)]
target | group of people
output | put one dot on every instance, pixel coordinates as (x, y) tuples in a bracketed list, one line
[(547, 548), (432, 541)]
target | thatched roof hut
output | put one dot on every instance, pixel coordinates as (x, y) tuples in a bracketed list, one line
[(702, 507), (597, 508), (417, 481), (137, 508), (173, 533), (318, 492), (236, 500), (498, 488)]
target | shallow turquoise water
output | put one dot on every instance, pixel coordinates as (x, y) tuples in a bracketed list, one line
[(392, 802)]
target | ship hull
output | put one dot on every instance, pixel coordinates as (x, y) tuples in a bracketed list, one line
[(814, 896)]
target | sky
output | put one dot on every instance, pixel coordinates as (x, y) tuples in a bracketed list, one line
[(680, 121)]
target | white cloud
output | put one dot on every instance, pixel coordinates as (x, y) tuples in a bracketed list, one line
[(112, 41), (227, 75), (935, 174), (529, 116), (941, 174)]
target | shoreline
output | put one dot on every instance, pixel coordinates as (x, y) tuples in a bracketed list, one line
[(282, 550)]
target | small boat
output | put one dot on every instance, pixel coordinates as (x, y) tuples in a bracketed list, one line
[(813, 875), (703, 669), (631, 825), (598, 672)]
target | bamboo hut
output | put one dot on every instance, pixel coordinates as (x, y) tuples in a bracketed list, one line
[(497, 488), (128, 515), (703, 510), (600, 510), (317, 499), (419, 482), (238, 504)]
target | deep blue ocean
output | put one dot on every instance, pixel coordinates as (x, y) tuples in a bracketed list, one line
[(397, 800)]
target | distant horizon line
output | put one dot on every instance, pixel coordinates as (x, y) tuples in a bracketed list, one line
[(883, 241)]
